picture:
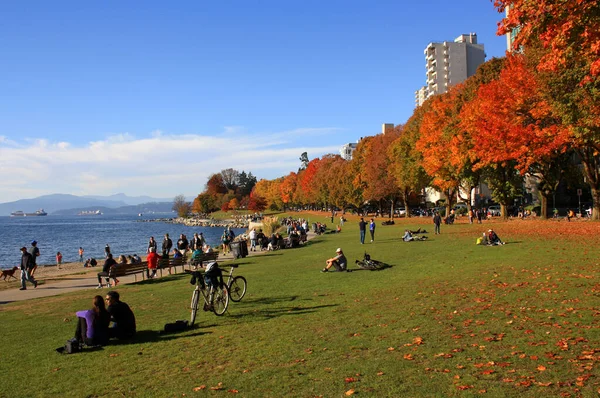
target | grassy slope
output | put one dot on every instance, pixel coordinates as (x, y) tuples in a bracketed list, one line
[(449, 318)]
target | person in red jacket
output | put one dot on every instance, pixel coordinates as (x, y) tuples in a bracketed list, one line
[(152, 262)]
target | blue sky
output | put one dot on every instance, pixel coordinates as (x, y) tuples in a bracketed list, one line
[(153, 97)]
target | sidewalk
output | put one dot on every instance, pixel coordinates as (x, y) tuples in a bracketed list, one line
[(70, 283)]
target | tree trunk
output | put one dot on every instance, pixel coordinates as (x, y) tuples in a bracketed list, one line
[(596, 204), (591, 165), (503, 212), (543, 206)]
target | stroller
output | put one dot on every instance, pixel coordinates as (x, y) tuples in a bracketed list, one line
[(369, 264)]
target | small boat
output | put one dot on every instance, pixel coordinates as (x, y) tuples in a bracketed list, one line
[(139, 214)]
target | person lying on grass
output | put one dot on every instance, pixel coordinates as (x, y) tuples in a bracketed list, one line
[(408, 237), (339, 262)]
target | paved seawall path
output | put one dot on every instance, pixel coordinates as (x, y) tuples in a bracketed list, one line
[(74, 277)]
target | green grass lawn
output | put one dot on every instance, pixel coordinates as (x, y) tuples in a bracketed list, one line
[(448, 318)]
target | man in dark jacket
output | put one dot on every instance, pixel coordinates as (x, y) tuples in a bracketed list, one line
[(362, 227), (26, 261), (110, 261), (123, 327), (35, 253), (167, 244)]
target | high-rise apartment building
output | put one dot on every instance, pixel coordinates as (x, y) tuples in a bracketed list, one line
[(449, 63)]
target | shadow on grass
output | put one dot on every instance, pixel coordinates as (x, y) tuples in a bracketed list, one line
[(152, 336), (270, 300), (270, 313), (166, 278)]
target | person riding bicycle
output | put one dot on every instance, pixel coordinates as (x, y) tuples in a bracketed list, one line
[(339, 262)]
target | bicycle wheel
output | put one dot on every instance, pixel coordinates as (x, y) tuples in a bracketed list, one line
[(195, 298), (220, 301), (237, 288)]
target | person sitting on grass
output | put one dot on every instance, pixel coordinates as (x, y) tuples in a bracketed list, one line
[(123, 327), (494, 239), (339, 262), (92, 324)]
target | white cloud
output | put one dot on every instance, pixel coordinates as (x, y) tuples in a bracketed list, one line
[(160, 164)]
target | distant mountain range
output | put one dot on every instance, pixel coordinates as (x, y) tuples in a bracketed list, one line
[(72, 204)]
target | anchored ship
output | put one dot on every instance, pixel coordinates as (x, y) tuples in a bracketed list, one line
[(19, 213), (90, 213)]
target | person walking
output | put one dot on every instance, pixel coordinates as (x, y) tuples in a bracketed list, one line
[(35, 253), (106, 251), (437, 221), (167, 244), (372, 229), (58, 259), (252, 236), (362, 227), (81, 254), (26, 266)]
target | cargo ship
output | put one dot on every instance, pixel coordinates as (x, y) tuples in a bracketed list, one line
[(19, 213), (90, 213)]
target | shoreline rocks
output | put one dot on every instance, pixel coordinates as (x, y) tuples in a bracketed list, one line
[(201, 222)]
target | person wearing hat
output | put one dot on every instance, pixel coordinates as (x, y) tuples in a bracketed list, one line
[(35, 253), (26, 261), (339, 261)]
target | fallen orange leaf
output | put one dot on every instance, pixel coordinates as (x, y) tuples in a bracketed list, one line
[(541, 368), (408, 357), (464, 387), (349, 392), (233, 391), (202, 387)]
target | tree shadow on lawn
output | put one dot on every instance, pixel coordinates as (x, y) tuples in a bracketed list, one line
[(271, 313)]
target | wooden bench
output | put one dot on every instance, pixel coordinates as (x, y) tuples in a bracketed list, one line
[(206, 257), (172, 263), (128, 269)]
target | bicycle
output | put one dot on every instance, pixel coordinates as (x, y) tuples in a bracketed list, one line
[(236, 285), (216, 298), (370, 264)]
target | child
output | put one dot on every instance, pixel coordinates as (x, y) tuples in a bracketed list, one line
[(58, 259)]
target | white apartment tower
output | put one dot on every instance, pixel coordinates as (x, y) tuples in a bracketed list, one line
[(449, 63)]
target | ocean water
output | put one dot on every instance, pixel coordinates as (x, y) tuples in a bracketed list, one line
[(125, 235)]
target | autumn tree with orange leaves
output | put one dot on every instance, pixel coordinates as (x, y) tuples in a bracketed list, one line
[(439, 132), (375, 170), (564, 37), (512, 125), (406, 162)]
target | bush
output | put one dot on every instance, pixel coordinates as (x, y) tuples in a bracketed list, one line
[(270, 225)]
